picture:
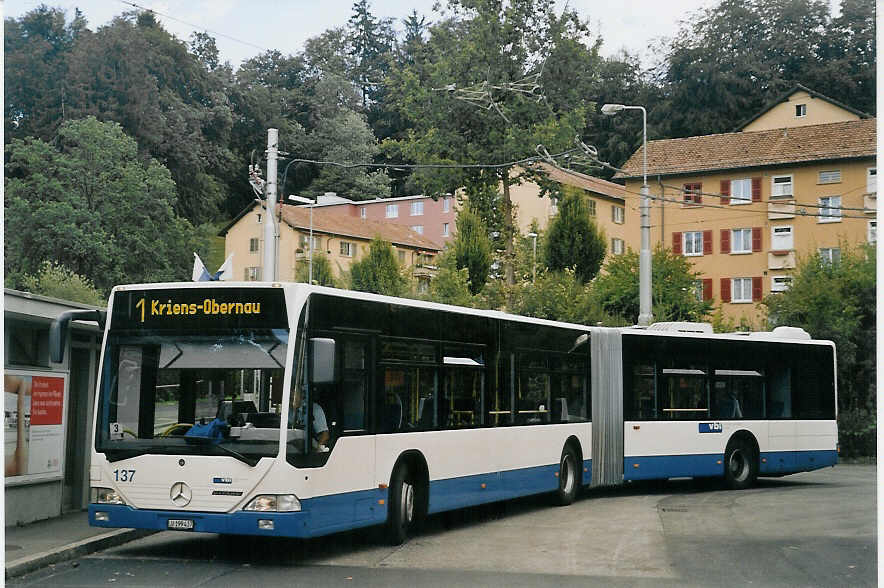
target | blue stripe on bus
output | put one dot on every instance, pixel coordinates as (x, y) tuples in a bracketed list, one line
[(789, 462), (672, 466)]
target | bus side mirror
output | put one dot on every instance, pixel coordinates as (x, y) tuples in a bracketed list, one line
[(58, 331), (322, 361)]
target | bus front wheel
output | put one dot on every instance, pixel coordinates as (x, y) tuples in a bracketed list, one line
[(402, 506), (568, 477), (740, 465)]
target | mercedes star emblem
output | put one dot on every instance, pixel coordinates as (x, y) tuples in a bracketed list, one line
[(180, 494)]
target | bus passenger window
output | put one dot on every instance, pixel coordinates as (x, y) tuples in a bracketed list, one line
[(404, 390), (738, 394), (779, 402), (644, 401), (684, 396)]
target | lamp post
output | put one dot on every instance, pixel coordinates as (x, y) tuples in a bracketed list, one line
[(312, 203), (534, 265), (645, 317)]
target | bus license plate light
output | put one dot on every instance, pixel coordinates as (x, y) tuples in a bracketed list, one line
[(265, 524)]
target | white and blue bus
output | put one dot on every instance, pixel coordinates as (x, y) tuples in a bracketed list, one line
[(296, 410)]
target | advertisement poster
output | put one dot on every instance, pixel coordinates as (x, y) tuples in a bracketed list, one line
[(33, 423)]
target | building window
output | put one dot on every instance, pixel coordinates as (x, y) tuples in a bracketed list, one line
[(445, 229), (590, 204), (741, 191), (872, 180), (800, 110), (780, 283), (692, 193), (830, 209), (446, 204), (253, 245), (698, 290), (782, 187), (258, 216), (401, 256), (28, 344), (618, 214), (617, 246), (252, 274), (417, 208), (363, 212), (553, 206), (873, 231), (305, 242), (741, 241), (830, 254), (781, 238), (693, 243), (392, 211), (423, 285), (419, 229), (830, 177), (347, 249), (741, 290)]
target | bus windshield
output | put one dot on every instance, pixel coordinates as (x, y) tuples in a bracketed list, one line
[(203, 394)]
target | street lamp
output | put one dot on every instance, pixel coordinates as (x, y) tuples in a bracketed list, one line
[(312, 203), (534, 266), (645, 317)]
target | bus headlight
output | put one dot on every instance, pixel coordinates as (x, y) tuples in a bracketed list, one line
[(106, 496), (274, 503)]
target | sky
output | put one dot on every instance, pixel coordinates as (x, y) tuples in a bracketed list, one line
[(242, 29)]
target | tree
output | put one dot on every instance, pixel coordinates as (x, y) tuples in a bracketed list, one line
[(463, 106), (836, 301), (378, 271), (322, 270), (472, 248), (90, 204), (573, 240), (673, 288), (55, 280), (451, 284), (558, 296)]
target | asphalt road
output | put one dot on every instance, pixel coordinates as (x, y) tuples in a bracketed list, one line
[(812, 529)]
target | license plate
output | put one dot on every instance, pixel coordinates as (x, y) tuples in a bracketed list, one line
[(180, 524)]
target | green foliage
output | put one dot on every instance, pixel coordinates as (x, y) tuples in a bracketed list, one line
[(92, 205), (378, 271), (573, 240), (673, 288), (451, 285), (837, 302), (472, 249), (560, 296), (322, 270), (55, 280)]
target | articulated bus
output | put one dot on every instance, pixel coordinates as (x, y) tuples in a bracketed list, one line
[(299, 411)]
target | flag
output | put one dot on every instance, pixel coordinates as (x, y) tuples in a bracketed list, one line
[(200, 273), (225, 272)]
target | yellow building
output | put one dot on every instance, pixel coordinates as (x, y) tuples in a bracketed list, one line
[(343, 239), (745, 206), (606, 202)]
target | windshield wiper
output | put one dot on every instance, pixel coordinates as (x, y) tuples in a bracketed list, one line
[(252, 461)]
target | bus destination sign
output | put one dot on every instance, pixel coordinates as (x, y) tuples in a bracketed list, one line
[(200, 307)]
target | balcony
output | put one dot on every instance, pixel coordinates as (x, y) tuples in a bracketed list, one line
[(781, 210), (778, 260), (870, 203)]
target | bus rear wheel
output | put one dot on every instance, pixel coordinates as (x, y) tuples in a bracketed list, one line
[(403, 506), (740, 465), (568, 477)]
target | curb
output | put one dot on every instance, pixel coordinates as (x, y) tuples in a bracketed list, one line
[(73, 550)]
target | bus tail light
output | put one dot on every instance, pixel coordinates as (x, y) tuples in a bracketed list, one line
[(274, 503), (106, 496)]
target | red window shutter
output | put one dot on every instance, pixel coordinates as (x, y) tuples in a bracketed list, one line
[(725, 289), (756, 238), (756, 289), (756, 189), (725, 240), (707, 242), (707, 288), (725, 192), (676, 243)]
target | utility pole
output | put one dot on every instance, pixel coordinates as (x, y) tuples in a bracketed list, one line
[(270, 199)]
